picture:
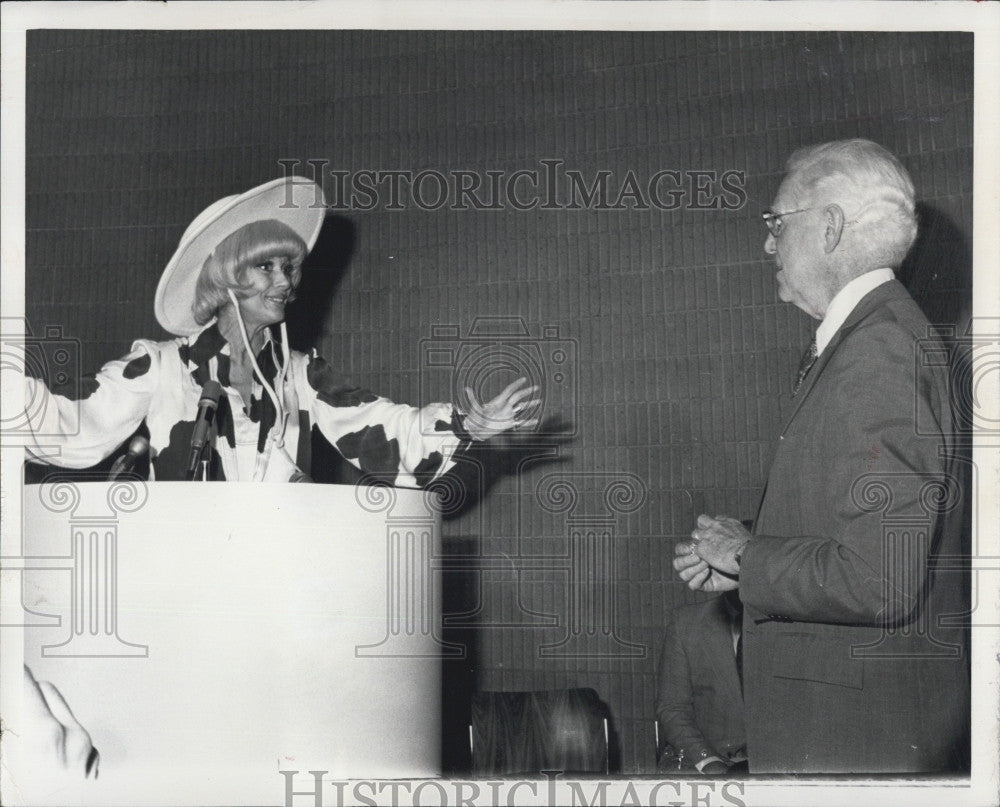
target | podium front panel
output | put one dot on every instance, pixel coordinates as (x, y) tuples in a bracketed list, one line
[(210, 636)]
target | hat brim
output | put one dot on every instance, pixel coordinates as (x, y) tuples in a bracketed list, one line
[(295, 201)]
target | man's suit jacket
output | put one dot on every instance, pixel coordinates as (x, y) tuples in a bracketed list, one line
[(845, 666), (698, 699)]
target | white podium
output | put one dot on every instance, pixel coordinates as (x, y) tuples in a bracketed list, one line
[(212, 635)]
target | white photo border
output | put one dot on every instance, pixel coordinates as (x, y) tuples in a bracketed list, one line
[(983, 19)]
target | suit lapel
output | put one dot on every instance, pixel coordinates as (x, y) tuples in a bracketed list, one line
[(876, 298)]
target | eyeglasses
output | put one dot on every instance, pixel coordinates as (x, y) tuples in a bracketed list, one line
[(774, 220)]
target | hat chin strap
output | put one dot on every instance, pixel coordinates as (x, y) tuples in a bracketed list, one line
[(278, 430)]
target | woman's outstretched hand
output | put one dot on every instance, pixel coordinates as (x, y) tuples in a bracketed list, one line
[(511, 409)]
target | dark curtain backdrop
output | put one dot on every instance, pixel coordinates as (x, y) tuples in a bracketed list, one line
[(678, 358)]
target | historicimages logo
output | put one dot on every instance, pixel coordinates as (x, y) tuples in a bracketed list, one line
[(547, 185), (551, 789)]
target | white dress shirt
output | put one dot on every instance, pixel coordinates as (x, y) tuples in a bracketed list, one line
[(845, 301)]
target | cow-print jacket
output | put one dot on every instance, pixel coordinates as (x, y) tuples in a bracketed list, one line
[(160, 383)]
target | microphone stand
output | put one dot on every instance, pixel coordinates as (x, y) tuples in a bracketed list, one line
[(199, 473), (201, 433)]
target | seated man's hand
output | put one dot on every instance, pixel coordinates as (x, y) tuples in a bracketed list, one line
[(49, 750)]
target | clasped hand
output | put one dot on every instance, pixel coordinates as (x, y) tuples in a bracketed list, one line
[(509, 410), (708, 561)]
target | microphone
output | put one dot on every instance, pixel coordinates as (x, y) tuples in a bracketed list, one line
[(125, 463), (203, 422)]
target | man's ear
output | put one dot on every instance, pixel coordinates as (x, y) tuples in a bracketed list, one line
[(833, 220)]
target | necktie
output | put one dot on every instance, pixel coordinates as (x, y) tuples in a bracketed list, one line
[(808, 360)]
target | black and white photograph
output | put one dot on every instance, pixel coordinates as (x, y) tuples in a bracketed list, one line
[(589, 403)]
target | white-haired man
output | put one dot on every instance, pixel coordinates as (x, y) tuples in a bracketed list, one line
[(847, 664)]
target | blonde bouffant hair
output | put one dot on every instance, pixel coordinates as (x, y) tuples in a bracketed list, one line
[(226, 268)]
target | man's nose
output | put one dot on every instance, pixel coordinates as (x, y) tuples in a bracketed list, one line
[(770, 245)]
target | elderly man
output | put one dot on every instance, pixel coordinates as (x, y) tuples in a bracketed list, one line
[(848, 665)]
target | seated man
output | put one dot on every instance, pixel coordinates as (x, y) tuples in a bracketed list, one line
[(699, 701)]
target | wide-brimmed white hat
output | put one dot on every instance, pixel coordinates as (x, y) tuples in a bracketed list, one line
[(295, 201)]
